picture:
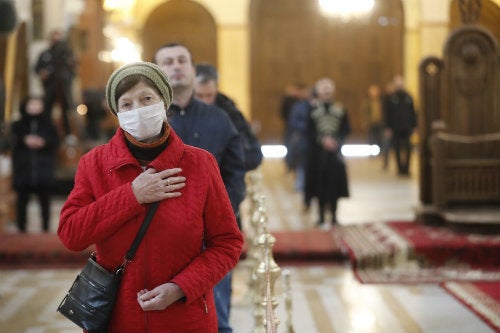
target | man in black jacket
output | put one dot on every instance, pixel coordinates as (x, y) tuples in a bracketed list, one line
[(401, 121), (206, 89), (208, 127)]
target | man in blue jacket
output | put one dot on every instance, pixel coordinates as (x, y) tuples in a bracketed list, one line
[(208, 127)]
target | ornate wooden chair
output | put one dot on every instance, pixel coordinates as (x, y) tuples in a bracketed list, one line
[(460, 129)]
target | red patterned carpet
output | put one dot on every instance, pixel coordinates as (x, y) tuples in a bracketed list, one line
[(38, 251), (403, 252), (46, 250), (440, 246), (483, 298)]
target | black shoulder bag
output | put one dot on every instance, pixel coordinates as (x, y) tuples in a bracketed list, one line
[(90, 300)]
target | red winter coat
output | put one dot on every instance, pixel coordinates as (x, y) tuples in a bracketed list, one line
[(193, 240)]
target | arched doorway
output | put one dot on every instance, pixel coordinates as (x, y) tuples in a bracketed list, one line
[(182, 21), (291, 41)]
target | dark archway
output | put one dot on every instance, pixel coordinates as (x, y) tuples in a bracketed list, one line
[(182, 21), (291, 41)]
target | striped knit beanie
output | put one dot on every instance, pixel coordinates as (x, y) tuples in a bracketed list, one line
[(147, 69)]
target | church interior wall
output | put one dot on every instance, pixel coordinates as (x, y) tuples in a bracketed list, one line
[(426, 29)]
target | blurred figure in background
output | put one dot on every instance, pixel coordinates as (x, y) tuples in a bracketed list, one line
[(298, 141), (387, 140), (401, 121), (95, 100), (373, 115), (56, 68), (326, 176), (293, 93), (34, 142), (374, 121), (3, 130)]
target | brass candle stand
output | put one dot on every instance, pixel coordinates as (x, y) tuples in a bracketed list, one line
[(288, 301), (266, 274), (263, 269)]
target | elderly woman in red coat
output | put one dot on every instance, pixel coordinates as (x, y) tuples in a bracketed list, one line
[(193, 239)]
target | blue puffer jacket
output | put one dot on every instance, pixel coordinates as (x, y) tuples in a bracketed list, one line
[(209, 127)]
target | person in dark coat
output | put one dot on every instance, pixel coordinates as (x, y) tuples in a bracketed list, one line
[(206, 89), (208, 127), (56, 68), (298, 143), (293, 94), (326, 176), (401, 121), (34, 142)]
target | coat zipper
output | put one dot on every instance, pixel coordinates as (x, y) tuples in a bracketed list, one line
[(146, 315), (205, 305)]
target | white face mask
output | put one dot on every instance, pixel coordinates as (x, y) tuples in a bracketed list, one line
[(143, 123)]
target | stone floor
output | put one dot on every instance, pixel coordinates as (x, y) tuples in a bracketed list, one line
[(324, 297)]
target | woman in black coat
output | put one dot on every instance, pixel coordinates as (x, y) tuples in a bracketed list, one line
[(34, 142)]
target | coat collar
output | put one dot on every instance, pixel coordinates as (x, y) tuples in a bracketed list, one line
[(120, 155)]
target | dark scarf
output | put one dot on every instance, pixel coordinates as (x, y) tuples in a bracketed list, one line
[(147, 152)]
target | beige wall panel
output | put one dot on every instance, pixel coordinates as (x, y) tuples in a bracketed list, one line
[(433, 38), (233, 65), (412, 60)]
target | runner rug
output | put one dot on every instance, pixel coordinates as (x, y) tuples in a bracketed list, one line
[(411, 252), (482, 298), (38, 251), (46, 250)]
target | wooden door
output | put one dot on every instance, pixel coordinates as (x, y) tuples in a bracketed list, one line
[(185, 22), (291, 41)]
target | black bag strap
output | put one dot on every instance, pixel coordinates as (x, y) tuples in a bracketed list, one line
[(142, 231), (138, 238)]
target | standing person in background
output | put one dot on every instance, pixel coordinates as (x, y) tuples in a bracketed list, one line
[(401, 121), (326, 176), (56, 68), (298, 145), (4, 145), (293, 93), (208, 127), (206, 90), (287, 101), (192, 241), (373, 120), (34, 142), (386, 138)]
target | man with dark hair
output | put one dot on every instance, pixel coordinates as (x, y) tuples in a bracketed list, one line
[(208, 127), (206, 89)]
